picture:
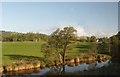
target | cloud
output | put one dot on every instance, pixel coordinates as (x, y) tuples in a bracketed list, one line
[(102, 34), (80, 29)]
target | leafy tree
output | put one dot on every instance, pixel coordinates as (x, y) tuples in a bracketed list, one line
[(92, 39), (115, 47), (30, 36), (6, 36), (88, 39), (59, 41), (104, 48), (21, 37), (104, 39), (14, 36)]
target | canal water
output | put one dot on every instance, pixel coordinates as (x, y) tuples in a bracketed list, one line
[(56, 70)]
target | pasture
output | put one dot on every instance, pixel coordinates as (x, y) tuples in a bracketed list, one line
[(33, 49), (16, 49)]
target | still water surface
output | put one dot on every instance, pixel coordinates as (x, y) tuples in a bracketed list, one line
[(72, 69), (55, 70)]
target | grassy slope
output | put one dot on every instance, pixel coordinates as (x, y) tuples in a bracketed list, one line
[(79, 47), (20, 48), (33, 49)]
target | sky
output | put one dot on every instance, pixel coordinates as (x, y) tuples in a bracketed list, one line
[(59, 0), (89, 18)]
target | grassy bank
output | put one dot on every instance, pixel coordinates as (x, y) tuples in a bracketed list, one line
[(20, 49), (13, 50)]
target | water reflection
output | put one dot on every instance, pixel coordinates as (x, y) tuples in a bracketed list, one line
[(80, 67), (101, 64), (67, 69), (42, 71), (23, 72), (63, 69)]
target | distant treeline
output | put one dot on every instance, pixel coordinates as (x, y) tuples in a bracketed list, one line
[(15, 36), (30, 36)]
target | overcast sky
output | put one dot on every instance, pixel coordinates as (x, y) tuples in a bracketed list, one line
[(89, 18)]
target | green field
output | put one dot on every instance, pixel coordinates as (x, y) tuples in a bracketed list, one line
[(20, 49), (33, 49)]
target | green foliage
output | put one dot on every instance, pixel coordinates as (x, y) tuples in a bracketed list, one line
[(15, 36), (104, 40), (92, 39), (6, 36), (115, 47), (49, 53), (58, 42), (93, 47), (104, 48)]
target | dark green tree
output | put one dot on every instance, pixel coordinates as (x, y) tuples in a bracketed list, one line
[(93, 39), (59, 41), (115, 47), (104, 40)]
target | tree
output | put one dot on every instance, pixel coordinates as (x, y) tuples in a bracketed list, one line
[(88, 39), (30, 36), (59, 41), (92, 39), (115, 47), (104, 39), (14, 36), (104, 48)]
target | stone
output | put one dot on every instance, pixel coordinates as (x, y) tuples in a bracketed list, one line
[(37, 65), (72, 60), (1, 69), (77, 60), (8, 68)]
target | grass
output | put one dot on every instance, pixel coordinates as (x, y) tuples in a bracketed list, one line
[(20, 48), (79, 47), (14, 50)]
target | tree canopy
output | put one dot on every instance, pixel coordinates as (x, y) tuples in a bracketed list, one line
[(59, 41)]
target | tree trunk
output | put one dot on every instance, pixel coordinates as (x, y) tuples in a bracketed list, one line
[(63, 71), (60, 58), (64, 50)]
